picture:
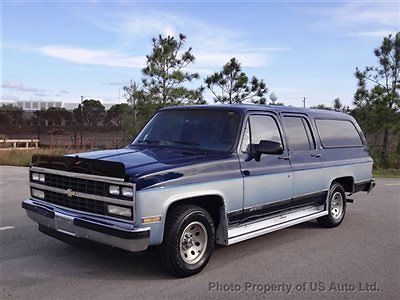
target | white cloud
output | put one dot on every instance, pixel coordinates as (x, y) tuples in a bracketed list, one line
[(9, 97), (383, 13), (213, 45), (248, 57), (41, 95), (111, 58), (136, 24), (17, 86), (149, 24), (363, 19), (217, 59), (373, 33)]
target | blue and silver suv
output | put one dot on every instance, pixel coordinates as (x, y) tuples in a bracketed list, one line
[(196, 176)]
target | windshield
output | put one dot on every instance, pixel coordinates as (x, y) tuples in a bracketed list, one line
[(199, 129)]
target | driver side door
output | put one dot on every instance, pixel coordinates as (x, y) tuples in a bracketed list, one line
[(267, 182)]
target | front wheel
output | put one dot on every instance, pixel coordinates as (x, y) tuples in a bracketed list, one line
[(336, 206), (188, 240)]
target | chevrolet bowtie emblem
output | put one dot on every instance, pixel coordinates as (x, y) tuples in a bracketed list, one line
[(70, 193)]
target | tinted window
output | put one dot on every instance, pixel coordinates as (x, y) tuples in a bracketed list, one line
[(338, 133), (298, 133), (201, 129), (264, 128), (310, 135)]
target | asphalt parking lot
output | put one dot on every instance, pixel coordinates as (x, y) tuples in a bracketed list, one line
[(358, 260)]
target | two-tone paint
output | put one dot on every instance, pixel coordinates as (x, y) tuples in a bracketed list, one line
[(244, 189)]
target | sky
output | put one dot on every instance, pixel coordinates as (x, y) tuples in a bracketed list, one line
[(67, 49)]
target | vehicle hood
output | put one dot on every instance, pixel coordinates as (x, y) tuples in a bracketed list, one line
[(147, 166)]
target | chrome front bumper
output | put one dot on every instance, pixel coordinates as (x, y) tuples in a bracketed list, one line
[(81, 226)]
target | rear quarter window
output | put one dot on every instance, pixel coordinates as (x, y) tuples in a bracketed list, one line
[(338, 133)]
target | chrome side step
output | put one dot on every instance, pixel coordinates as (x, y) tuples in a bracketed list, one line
[(286, 219)]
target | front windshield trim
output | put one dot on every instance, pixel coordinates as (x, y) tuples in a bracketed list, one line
[(235, 136)]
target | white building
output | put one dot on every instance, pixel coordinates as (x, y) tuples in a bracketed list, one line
[(37, 105), (32, 105)]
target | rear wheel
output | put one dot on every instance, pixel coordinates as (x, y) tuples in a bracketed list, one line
[(188, 240), (336, 206)]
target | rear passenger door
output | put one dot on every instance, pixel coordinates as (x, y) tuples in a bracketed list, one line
[(304, 157)]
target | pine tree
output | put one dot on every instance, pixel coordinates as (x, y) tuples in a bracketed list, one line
[(231, 85), (166, 73), (378, 104)]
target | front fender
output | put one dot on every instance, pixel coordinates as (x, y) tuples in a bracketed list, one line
[(155, 202)]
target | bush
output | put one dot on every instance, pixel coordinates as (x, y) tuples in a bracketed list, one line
[(22, 157), (393, 159), (387, 173)]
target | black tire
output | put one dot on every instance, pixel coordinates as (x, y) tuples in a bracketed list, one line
[(178, 221), (336, 213)]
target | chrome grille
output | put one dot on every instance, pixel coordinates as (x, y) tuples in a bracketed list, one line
[(81, 192), (77, 203), (77, 184)]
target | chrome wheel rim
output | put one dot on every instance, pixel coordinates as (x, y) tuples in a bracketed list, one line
[(193, 242), (337, 205)]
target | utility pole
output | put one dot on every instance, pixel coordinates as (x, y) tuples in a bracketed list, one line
[(81, 121), (304, 102)]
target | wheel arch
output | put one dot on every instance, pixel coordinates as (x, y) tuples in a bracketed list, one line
[(214, 204), (346, 181)]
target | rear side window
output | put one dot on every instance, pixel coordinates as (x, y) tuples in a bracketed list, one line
[(338, 133), (298, 133)]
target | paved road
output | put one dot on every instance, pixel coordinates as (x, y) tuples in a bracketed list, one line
[(364, 250)]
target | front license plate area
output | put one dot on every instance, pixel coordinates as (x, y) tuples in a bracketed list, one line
[(64, 224)]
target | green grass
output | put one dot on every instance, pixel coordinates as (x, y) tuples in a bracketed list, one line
[(22, 157), (387, 173)]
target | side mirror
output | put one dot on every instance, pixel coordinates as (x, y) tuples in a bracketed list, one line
[(269, 147), (265, 147)]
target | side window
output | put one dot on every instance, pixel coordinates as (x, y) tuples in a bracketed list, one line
[(338, 133), (264, 128), (298, 133), (310, 136), (245, 146)]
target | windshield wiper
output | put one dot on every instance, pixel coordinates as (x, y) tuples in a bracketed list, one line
[(148, 142), (187, 143)]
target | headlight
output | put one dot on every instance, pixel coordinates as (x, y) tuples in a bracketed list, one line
[(37, 194), (119, 211), (35, 176), (42, 177), (38, 177), (114, 190), (127, 192)]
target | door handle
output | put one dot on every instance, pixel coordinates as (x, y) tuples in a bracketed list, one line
[(316, 155), (285, 157), (246, 173)]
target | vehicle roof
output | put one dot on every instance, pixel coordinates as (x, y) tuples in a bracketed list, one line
[(244, 108)]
